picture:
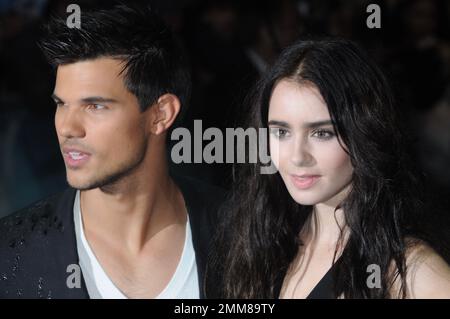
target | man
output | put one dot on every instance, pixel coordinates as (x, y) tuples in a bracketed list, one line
[(125, 228)]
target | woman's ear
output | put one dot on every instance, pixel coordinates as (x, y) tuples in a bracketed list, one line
[(164, 113)]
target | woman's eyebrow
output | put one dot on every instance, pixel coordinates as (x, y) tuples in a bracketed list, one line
[(317, 123), (278, 123), (305, 125)]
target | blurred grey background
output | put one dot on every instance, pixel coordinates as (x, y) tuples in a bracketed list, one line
[(229, 43)]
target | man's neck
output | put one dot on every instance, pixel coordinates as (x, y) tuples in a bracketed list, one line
[(131, 212)]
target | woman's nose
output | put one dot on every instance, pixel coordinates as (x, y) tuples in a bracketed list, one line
[(301, 155)]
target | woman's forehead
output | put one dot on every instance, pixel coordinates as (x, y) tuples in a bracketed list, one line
[(297, 102)]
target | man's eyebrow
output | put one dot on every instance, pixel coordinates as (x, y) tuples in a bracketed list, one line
[(98, 99), (89, 99)]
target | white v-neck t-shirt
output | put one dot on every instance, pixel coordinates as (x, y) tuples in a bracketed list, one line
[(183, 285)]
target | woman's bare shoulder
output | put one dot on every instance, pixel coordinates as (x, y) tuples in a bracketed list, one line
[(428, 274)]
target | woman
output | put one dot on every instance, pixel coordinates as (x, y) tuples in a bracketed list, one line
[(341, 217)]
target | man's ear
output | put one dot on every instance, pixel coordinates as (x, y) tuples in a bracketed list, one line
[(164, 113)]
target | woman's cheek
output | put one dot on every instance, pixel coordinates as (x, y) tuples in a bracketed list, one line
[(275, 151), (333, 157)]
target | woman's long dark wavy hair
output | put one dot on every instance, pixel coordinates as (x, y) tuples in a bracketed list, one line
[(258, 237)]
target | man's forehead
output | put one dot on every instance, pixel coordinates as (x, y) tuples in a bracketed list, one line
[(91, 77), (100, 67)]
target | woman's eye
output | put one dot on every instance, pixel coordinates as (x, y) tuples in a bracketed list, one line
[(279, 133), (323, 134)]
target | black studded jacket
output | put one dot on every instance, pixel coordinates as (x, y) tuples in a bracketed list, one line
[(38, 250)]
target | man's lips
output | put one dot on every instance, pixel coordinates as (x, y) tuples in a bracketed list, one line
[(75, 157), (304, 181), (74, 149)]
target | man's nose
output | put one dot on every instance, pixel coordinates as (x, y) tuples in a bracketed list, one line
[(69, 123)]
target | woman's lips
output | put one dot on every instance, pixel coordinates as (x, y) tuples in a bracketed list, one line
[(304, 181)]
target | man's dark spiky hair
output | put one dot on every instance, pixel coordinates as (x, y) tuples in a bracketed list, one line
[(153, 59)]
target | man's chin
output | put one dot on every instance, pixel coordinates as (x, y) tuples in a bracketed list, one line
[(104, 180), (81, 185), (92, 183)]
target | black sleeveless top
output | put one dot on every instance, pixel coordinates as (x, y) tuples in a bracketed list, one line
[(323, 289)]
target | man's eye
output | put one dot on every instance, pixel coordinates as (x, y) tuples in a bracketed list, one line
[(96, 107), (323, 134), (279, 133), (59, 103)]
